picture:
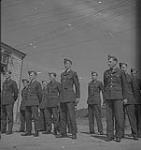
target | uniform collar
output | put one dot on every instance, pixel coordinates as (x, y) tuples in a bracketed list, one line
[(94, 81), (7, 80), (32, 81), (67, 71), (115, 69), (53, 81), (44, 88)]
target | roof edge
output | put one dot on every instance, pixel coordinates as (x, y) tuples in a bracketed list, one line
[(18, 53)]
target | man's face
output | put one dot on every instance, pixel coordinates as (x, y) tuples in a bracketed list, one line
[(134, 73), (67, 65), (111, 63), (51, 77), (124, 67), (94, 76), (25, 83), (7, 75), (32, 76), (44, 84)]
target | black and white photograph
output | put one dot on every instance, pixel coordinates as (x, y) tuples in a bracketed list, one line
[(70, 75)]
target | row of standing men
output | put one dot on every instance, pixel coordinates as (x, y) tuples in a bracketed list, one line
[(57, 102)]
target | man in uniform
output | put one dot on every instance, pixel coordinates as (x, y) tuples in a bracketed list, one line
[(42, 106), (69, 98), (94, 103), (114, 93), (22, 106), (137, 92), (53, 99), (9, 96), (34, 97), (130, 102)]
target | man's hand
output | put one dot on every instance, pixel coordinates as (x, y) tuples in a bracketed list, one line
[(38, 110), (125, 101), (77, 101)]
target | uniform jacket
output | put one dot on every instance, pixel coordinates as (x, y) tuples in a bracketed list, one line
[(43, 103), (68, 81), (34, 95), (53, 94), (9, 92), (137, 89), (94, 88), (114, 84), (130, 90), (24, 97)]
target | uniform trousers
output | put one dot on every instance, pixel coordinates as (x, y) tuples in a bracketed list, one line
[(7, 117), (22, 119), (68, 108), (42, 120), (94, 111), (51, 112), (32, 112), (130, 109), (138, 117), (114, 115)]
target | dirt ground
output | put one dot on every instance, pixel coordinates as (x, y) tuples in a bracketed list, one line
[(84, 141)]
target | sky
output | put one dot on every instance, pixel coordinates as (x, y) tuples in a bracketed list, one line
[(85, 31)]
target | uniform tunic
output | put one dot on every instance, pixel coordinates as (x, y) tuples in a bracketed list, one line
[(114, 84), (24, 93), (68, 81), (53, 94), (94, 89), (43, 103), (9, 96), (9, 92), (34, 96)]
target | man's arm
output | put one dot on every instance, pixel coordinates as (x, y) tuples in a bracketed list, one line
[(124, 85), (15, 90), (39, 92), (77, 85)]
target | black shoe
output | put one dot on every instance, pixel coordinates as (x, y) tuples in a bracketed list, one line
[(55, 132), (26, 134), (3, 132), (101, 133), (74, 136), (118, 139), (61, 136), (92, 132), (130, 135), (36, 134), (9, 132), (46, 132), (20, 131), (109, 139), (42, 130), (135, 138)]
